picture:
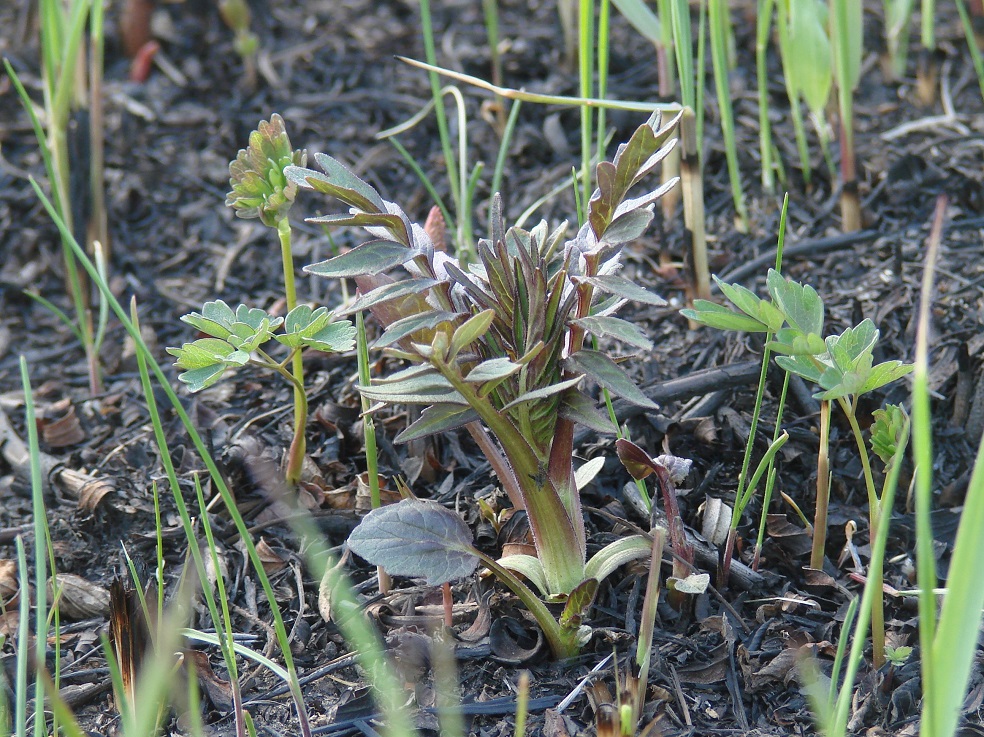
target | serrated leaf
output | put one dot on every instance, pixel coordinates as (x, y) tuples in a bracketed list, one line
[(801, 366), (618, 285), (609, 375), (389, 292), (799, 303), (415, 538), (371, 257), (214, 319), (846, 349), (336, 337), (615, 327), (885, 373), (202, 378), (718, 316), (435, 419), (469, 331), (752, 305), (889, 433), (206, 351)]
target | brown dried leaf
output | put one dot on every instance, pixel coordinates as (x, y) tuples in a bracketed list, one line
[(272, 562), (79, 598), (63, 431), (9, 587)]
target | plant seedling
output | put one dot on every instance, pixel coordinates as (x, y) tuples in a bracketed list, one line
[(260, 190), (842, 366), (500, 345), (235, 338)]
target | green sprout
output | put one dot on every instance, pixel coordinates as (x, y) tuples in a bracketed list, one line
[(499, 347), (261, 190), (843, 368)]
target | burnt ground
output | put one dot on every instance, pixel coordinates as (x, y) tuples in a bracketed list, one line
[(327, 66)]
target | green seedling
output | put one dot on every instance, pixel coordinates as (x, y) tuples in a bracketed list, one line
[(236, 15), (501, 345), (842, 366), (235, 339), (73, 108), (260, 190)]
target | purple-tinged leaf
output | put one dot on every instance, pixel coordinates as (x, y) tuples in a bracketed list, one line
[(579, 408), (615, 327), (407, 326), (415, 538), (622, 287), (543, 392), (435, 419), (389, 292), (598, 366), (371, 257)]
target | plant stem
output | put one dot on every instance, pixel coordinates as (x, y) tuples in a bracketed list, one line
[(823, 489), (295, 456)]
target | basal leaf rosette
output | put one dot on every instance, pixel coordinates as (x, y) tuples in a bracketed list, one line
[(259, 187)]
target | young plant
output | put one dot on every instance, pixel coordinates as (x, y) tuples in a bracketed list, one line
[(501, 345), (67, 121), (260, 190), (842, 366)]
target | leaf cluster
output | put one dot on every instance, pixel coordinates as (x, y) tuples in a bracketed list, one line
[(234, 335), (259, 188), (841, 365), (506, 332)]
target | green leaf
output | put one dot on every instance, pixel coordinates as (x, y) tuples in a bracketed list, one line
[(605, 561), (580, 408), (529, 567), (578, 603), (313, 328), (202, 378), (800, 304), (338, 182), (415, 538), (720, 317), (848, 348), (435, 419), (615, 327), (619, 285), (389, 292), (801, 366), (811, 67), (543, 392), (407, 326), (794, 343), (889, 433), (471, 330), (494, 369), (628, 227), (372, 257), (430, 388), (609, 375), (885, 373), (752, 305), (392, 223), (215, 319)]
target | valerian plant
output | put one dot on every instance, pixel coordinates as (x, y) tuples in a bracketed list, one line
[(260, 190), (842, 367), (499, 348)]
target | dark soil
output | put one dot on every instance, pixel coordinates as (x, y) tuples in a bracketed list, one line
[(726, 666)]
